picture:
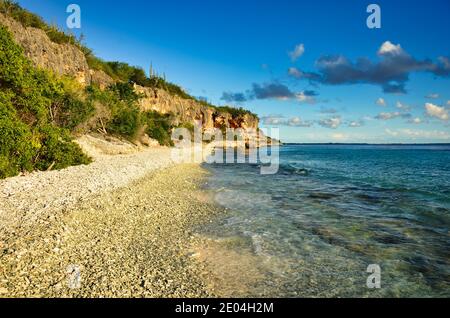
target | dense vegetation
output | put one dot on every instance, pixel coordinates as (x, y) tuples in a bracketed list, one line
[(32, 102), (124, 117), (158, 126), (235, 112), (131, 74)]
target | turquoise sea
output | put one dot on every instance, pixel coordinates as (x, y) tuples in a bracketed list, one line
[(331, 211)]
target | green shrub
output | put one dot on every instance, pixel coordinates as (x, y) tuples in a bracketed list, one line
[(16, 147), (69, 112), (132, 74), (94, 93), (29, 137), (126, 119), (120, 99), (188, 126), (57, 150), (125, 92), (122, 71), (235, 112), (60, 37), (158, 127), (98, 64), (14, 10), (125, 122)]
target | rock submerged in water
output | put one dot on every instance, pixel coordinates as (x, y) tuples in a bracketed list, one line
[(327, 235), (368, 198), (292, 169), (322, 195), (302, 172)]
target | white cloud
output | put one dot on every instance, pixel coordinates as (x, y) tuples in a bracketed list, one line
[(416, 120), (402, 106), (332, 123), (387, 116), (333, 62), (298, 122), (305, 98), (293, 71), (273, 120), (387, 48), (280, 120), (298, 52), (436, 111), (448, 102), (381, 102), (355, 124), (432, 96)]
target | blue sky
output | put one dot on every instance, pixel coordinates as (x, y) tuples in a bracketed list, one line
[(348, 83)]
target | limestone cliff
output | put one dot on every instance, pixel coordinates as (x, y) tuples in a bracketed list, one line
[(67, 59), (188, 110), (62, 59)]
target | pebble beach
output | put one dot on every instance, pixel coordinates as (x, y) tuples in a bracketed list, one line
[(119, 227)]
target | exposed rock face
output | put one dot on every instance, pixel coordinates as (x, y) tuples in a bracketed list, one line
[(100, 78), (187, 110), (62, 59), (66, 59)]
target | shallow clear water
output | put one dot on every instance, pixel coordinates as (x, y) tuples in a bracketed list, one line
[(333, 210)]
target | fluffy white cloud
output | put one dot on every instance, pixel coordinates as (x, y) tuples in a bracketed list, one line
[(436, 111), (416, 120), (391, 72), (273, 120), (381, 102), (402, 106), (297, 52), (355, 124), (387, 48), (332, 123), (298, 122)]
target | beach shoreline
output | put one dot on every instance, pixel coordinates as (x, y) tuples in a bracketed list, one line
[(124, 224)]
